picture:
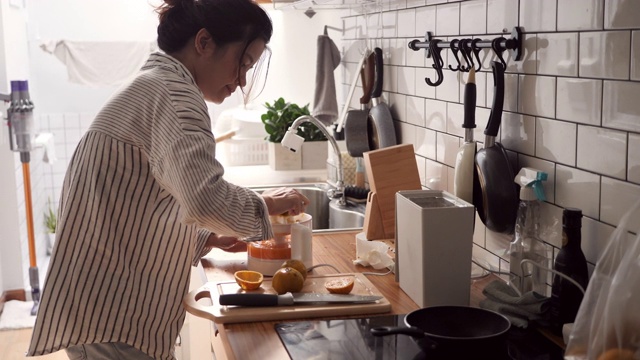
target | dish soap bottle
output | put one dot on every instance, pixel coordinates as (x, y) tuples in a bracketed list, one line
[(527, 244), (570, 261)]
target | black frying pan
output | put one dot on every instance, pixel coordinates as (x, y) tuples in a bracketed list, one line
[(495, 193), (455, 332), (355, 129)]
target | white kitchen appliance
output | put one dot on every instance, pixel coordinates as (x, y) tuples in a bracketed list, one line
[(433, 247)]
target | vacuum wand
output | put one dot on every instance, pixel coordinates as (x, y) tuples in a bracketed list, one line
[(20, 121)]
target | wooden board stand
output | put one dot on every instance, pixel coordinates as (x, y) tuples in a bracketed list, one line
[(389, 170)]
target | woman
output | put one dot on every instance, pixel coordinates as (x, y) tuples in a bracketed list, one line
[(144, 198)]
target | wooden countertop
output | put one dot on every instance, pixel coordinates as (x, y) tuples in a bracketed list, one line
[(259, 340)]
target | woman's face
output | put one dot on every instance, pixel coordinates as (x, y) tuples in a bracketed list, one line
[(220, 70)]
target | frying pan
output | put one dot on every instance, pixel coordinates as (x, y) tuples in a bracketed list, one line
[(454, 332), (356, 133), (380, 123), (465, 158), (495, 194)]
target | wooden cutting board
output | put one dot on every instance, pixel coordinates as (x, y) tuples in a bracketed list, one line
[(389, 170), (314, 283)]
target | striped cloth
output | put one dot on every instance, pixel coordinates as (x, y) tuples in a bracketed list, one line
[(139, 192)]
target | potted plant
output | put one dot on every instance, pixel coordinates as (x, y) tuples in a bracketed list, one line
[(277, 121), (50, 222)]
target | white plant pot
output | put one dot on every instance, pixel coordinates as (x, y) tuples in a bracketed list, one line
[(51, 240), (281, 158), (314, 155)]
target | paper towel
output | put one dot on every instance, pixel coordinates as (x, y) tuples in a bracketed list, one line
[(372, 253)]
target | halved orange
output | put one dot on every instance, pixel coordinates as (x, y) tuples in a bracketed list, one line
[(342, 285), (248, 280)]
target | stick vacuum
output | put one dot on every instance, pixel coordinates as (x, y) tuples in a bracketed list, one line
[(20, 121)]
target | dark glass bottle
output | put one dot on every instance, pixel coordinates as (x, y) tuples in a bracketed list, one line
[(565, 296)]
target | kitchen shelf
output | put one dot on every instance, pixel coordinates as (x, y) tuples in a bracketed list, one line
[(323, 4)]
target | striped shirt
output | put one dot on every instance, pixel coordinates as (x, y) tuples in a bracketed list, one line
[(142, 193)]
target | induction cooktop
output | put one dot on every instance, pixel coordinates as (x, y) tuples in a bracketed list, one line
[(350, 339)]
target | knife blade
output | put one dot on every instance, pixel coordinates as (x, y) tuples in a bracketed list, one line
[(293, 299)]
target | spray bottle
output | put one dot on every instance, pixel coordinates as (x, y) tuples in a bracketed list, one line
[(527, 244)]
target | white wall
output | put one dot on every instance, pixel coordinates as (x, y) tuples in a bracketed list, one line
[(66, 109), (13, 57)]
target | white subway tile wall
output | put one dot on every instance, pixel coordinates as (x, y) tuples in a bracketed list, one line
[(572, 107)]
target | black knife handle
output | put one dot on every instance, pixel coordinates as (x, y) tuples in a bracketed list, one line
[(498, 100), (377, 84), (249, 299), (469, 106)]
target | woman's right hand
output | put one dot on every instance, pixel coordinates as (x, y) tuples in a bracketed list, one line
[(285, 200)]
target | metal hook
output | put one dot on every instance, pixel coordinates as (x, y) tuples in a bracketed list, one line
[(437, 62), (495, 46), (453, 45), (476, 52), (466, 54)]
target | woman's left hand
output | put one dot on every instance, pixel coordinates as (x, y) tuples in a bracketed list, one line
[(226, 243)]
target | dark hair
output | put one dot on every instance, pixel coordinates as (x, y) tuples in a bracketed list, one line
[(227, 21)]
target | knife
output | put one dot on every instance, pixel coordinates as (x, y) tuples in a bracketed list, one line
[(293, 299)]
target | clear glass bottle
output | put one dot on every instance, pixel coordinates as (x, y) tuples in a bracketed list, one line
[(528, 245)]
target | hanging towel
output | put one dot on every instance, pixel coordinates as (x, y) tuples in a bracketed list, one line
[(325, 102), (100, 63), (519, 309)]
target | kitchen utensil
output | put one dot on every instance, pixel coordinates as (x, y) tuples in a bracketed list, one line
[(356, 132), (455, 332), (225, 136), (465, 158), (293, 299), (313, 284), (266, 256), (345, 109), (389, 170), (434, 232), (495, 194), (382, 133)]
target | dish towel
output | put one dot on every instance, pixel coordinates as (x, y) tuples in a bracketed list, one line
[(325, 103), (100, 63), (519, 309)]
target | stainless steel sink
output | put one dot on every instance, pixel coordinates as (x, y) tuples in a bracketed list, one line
[(327, 214)]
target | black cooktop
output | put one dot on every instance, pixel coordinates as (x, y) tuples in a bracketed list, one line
[(349, 339)]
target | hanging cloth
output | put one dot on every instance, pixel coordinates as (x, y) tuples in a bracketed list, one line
[(100, 63), (325, 100)]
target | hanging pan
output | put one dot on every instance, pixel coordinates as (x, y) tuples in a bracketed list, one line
[(455, 332), (356, 133), (465, 158), (382, 133), (495, 194)]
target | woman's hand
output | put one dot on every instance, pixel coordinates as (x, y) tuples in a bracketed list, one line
[(225, 243), (285, 200)]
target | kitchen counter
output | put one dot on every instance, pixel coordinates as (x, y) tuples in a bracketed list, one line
[(259, 340)]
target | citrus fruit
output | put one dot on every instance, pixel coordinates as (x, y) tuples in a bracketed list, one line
[(298, 265), (287, 279), (248, 280), (339, 286)]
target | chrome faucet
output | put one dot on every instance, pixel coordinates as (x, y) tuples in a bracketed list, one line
[(293, 142)]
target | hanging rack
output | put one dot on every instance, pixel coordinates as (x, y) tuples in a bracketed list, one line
[(469, 49), (332, 28)]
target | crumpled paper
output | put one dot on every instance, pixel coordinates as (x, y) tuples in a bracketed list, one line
[(372, 253)]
